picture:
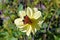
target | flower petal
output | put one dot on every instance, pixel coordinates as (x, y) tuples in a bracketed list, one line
[(29, 12), (37, 15), (24, 28), (33, 30), (22, 14), (29, 29), (40, 23), (19, 23), (35, 10)]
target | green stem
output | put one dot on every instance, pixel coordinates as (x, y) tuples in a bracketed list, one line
[(33, 37), (25, 37)]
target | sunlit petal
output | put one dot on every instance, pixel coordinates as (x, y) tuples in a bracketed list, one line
[(18, 22), (37, 15), (22, 13), (29, 12), (40, 23), (33, 30), (35, 10), (29, 29)]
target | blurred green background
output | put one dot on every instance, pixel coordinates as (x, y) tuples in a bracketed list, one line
[(50, 29)]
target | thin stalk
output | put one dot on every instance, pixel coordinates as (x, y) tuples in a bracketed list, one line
[(44, 37), (25, 37), (32, 37), (52, 19)]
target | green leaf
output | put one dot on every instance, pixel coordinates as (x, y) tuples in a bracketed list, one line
[(0, 6), (58, 11), (56, 38), (20, 7), (12, 38), (3, 34), (45, 25)]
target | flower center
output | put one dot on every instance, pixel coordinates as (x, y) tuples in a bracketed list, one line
[(27, 20)]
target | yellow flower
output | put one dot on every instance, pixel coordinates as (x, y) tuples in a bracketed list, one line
[(29, 20)]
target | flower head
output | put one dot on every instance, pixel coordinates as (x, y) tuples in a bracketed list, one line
[(29, 20)]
